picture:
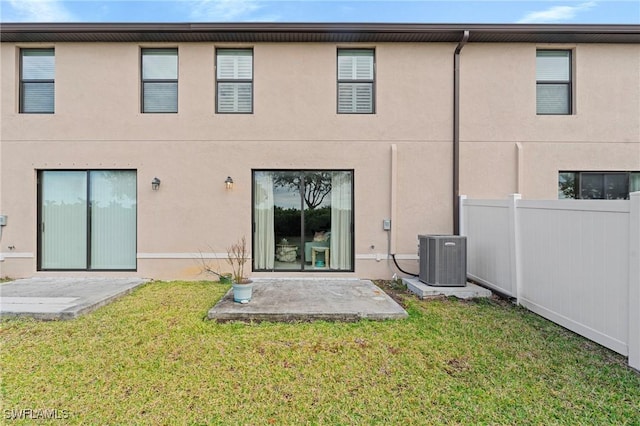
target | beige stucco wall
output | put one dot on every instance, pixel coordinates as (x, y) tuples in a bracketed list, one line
[(98, 124), (498, 114)]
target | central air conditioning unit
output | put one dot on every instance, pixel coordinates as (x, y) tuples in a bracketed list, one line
[(443, 260)]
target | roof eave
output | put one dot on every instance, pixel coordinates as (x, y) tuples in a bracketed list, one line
[(315, 32)]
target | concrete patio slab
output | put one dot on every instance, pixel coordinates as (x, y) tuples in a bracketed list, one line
[(287, 300), (423, 291), (61, 298)]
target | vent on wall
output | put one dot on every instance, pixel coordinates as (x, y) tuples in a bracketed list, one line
[(443, 260)]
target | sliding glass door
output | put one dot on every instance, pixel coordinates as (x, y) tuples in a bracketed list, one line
[(63, 220), (87, 220), (303, 220)]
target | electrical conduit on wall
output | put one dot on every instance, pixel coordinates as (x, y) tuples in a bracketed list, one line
[(392, 239), (394, 199)]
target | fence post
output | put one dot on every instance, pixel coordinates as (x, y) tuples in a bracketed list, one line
[(634, 281), (514, 244), (461, 228)]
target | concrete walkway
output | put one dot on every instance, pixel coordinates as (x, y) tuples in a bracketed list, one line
[(291, 299), (61, 298), (310, 299)]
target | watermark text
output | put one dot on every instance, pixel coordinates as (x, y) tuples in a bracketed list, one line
[(36, 414)]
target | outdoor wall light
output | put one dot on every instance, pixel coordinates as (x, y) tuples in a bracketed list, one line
[(228, 182), (155, 184)]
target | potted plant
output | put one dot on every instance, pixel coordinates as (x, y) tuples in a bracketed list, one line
[(237, 256)]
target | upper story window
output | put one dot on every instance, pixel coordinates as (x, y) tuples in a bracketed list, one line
[(598, 185), (37, 81), (356, 81), (553, 82), (234, 76), (159, 80)]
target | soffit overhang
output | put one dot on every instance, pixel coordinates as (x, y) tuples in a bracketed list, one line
[(316, 33)]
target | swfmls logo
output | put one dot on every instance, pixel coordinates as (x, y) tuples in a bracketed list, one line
[(36, 414)]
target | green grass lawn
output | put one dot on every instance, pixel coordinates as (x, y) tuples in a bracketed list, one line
[(152, 358)]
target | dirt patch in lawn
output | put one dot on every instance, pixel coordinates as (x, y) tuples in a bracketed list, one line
[(396, 290)]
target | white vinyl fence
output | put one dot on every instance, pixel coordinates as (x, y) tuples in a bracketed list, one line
[(575, 262)]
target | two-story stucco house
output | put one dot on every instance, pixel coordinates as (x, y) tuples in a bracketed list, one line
[(139, 149)]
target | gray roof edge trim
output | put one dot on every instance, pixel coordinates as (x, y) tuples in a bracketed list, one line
[(317, 32)]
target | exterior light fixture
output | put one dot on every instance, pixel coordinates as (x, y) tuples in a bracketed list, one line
[(155, 184), (228, 182)]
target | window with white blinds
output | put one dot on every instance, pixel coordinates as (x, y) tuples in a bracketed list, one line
[(159, 80), (553, 82), (37, 81), (355, 81), (234, 77)]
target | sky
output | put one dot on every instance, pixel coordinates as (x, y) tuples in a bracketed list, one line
[(393, 11)]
